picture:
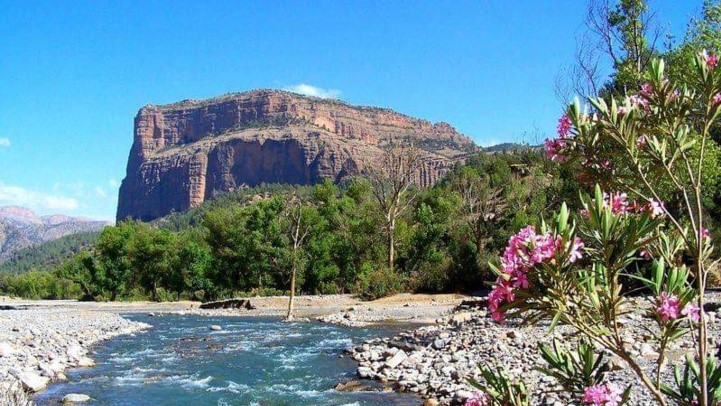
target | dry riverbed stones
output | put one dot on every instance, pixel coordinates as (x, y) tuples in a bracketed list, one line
[(437, 361), (38, 344)]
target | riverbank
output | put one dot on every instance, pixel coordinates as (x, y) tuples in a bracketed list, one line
[(436, 361), (39, 343)]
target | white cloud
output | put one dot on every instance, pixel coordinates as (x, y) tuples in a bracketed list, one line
[(309, 90), (114, 183), (4, 142), (38, 201), (100, 192)]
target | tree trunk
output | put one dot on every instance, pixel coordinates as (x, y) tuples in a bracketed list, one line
[(391, 244), (289, 317)]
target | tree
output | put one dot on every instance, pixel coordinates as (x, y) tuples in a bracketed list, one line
[(297, 226), (483, 204), (113, 259), (623, 37), (393, 176), (152, 255)]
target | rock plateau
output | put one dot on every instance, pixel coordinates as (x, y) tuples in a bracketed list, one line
[(191, 151)]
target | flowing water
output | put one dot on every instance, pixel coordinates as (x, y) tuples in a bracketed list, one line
[(252, 361)]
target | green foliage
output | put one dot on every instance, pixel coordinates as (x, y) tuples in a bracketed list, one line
[(686, 390), (38, 285), (377, 282), (576, 370), (499, 389), (243, 242)]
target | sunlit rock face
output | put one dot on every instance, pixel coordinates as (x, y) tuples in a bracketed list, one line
[(187, 152)]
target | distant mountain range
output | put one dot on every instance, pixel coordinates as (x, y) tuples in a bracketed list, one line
[(21, 228)]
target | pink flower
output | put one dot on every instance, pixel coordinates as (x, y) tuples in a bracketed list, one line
[(525, 250), (641, 142), (674, 96), (692, 311), (606, 394), (544, 247), (710, 58), (478, 399), (717, 98), (584, 213), (498, 316), (564, 126), (621, 110), (645, 254), (705, 233), (617, 201), (638, 101), (520, 280), (668, 307), (554, 149), (647, 88), (655, 208), (576, 252)]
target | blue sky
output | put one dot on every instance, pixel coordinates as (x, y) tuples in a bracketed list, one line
[(74, 74)]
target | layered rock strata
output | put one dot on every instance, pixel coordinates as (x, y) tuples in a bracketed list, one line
[(191, 151)]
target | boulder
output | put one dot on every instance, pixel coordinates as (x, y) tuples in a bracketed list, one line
[(32, 381), (215, 327), (396, 359), (85, 362), (7, 349), (76, 398)]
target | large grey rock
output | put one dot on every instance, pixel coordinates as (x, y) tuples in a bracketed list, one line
[(76, 398), (396, 359), (32, 381), (7, 349)]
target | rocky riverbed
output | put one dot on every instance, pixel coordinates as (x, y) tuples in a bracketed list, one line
[(38, 344), (437, 361)]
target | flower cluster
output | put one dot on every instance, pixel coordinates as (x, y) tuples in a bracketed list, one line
[(619, 204), (669, 308), (638, 101), (605, 394), (478, 399), (647, 89), (711, 59), (525, 250), (554, 147)]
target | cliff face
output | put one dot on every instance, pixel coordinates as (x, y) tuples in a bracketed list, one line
[(188, 152)]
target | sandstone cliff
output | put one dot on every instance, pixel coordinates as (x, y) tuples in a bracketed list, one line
[(187, 152)]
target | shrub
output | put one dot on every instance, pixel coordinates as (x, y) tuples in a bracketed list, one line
[(375, 283)]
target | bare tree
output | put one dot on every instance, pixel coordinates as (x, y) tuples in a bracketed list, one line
[(482, 204), (622, 34), (298, 227), (393, 176)]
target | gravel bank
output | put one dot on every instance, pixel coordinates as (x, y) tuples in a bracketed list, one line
[(436, 361), (38, 344)]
